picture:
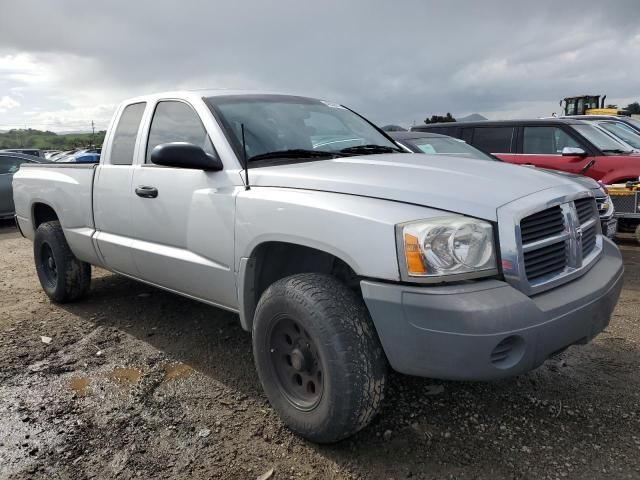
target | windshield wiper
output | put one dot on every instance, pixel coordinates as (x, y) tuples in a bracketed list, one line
[(616, 150), (370, 149), (294, 153)]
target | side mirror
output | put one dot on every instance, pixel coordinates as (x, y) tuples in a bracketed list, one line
[(573, 151), (184, 155)]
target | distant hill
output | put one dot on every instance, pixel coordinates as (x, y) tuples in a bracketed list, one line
[(474, 117), (394, 128), (31, 138)]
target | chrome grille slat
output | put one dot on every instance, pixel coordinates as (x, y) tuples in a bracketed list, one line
[(542, 224), (543, 251), (541, 221), (544, 242), (542, 231), (549, 262), (588, 240), (543, 261), (584, 207)]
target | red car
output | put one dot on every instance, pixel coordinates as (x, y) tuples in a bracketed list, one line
[(570, 145)]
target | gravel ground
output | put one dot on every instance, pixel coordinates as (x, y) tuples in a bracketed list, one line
[(137, 382)]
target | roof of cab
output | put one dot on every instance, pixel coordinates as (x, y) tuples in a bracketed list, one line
[(498, 123), (198, 94)]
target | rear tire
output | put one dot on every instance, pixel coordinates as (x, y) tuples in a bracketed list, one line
[(63, 277), (638, 233), (318, 357)]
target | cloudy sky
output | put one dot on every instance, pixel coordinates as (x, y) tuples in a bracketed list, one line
[(65, 63)]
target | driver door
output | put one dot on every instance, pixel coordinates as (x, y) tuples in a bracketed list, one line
[(183, 218)]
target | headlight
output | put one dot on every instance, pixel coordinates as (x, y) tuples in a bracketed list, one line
[(454, 247)]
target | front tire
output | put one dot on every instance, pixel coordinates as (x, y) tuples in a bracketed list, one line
[(63, 277), (318, 357)]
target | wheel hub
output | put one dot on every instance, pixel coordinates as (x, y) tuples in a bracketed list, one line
[(297, 364), (299, 361)]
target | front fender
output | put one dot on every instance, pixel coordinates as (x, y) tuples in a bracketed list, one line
[(358, 230)]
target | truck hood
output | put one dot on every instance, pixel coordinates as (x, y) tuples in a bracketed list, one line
[(586, 182), (471, 187)]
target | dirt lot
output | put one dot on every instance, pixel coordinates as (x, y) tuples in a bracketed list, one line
[(136, 382)]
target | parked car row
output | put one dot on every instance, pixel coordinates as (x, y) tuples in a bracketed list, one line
[(10, 162), (78, 155), (570, 145)]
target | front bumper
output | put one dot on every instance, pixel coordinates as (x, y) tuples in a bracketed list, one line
[(487, 330)]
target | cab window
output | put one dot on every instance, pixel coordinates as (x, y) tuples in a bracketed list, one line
[(177, 122), (546, 140), (10, 165), (493, 139), (124, 138)]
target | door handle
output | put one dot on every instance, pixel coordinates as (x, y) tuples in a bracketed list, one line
[(145, 191)]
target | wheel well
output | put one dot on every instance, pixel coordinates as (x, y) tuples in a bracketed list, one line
[(272, 261), (43, 213)]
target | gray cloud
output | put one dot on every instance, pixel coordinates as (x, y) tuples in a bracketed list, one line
[(65, 62)]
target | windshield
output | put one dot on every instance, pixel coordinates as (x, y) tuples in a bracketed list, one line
[(448, 146), (622, 132), (303, 127), (633, 121), (600, 139)]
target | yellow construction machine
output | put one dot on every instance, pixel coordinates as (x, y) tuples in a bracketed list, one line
[(588, 105)]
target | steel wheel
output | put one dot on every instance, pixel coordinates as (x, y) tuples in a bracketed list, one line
[(49, 267), (297, 364)]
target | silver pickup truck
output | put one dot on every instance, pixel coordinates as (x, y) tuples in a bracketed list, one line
[(341, 253)]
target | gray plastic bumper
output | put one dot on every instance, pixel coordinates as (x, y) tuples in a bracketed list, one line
[(488, 330)]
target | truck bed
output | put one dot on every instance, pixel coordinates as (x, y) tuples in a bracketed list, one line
[(65, 188)]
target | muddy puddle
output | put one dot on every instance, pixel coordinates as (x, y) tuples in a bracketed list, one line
[(176, 371), (80, 385), (125, 375)]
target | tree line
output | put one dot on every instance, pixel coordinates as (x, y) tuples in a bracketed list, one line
[(46, 140)]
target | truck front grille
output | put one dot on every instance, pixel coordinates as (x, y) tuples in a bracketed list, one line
[(556, 240)]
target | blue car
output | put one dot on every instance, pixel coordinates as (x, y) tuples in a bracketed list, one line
[(80, 157)]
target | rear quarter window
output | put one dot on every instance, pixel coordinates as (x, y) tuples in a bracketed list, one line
[(493, 139), (10, 165), (124, 138)]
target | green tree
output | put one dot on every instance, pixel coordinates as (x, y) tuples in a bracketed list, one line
[(633, 108), (30, 138), (440, 119)]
